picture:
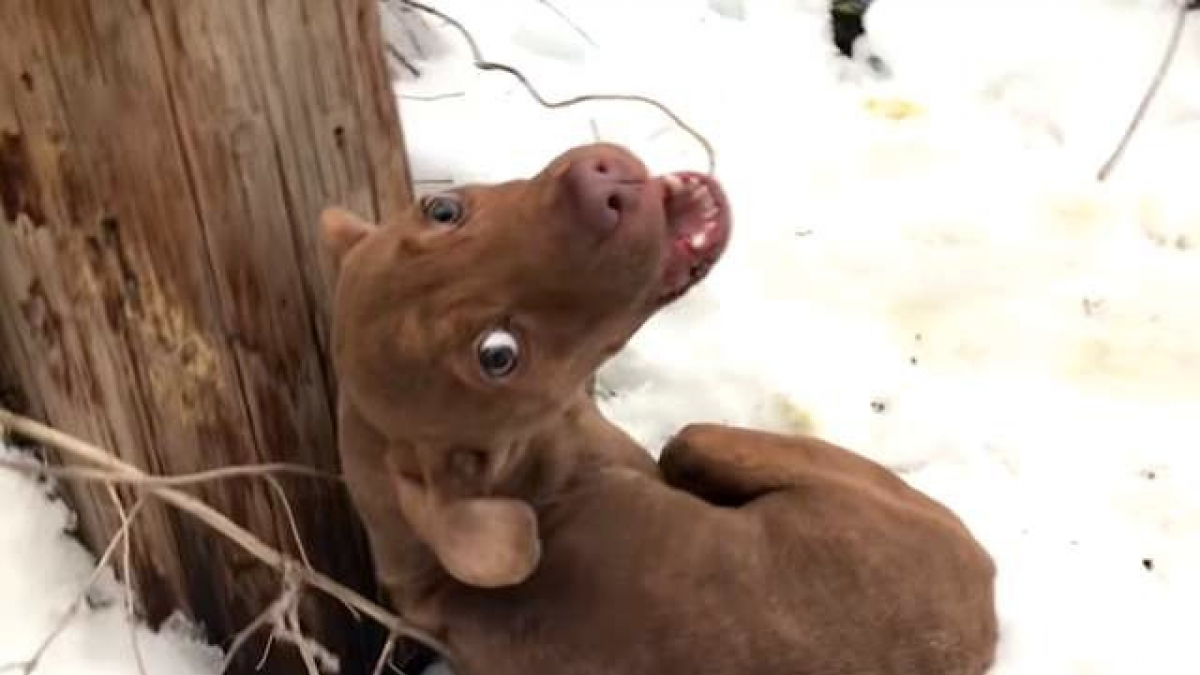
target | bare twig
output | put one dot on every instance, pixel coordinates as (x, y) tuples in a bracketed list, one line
[(178, 480), (398, 13), (248, 632), (217, 521), (434, 97), (412, 35), (283, 616), (317, 658), (483, 64), (385, 656), (1159, 76), (567, 20), (264, 471), (127, 570), (403, 60), (266, 653), (290, 516), (29, 666)]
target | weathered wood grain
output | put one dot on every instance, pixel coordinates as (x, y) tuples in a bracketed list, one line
[(162, 165)]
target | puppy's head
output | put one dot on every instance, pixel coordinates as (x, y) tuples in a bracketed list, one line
[(475, 319)]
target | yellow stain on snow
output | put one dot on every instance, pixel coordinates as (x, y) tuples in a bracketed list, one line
[(896, 109), (1076, 214), (796, 419)]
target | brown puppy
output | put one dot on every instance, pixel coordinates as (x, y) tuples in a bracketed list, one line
[(508, 517)]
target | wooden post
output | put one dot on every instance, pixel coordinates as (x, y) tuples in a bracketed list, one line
[(162, 292)]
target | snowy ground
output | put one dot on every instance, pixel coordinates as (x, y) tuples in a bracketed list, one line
[(42, 569), (923, 269)]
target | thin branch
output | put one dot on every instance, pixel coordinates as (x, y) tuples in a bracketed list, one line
[(283, 616), (217, 521), (263, 471), (179, 480), (291, 628), (385, 656), (266, 653), (412, 35), (483, 64), (290, 516), (403, 60), (1159, 76), (434, 97), (248, 632), (317, 658), (567, 20), (127, 569), (29, 666), (398, 14)]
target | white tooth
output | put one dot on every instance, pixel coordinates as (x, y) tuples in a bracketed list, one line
[(674, 184), (699, 239)]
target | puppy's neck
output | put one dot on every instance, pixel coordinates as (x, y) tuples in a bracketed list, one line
[(574, 448), (549, 461), (569, 453)]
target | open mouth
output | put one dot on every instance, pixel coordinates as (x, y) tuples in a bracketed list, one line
[(698, 226)]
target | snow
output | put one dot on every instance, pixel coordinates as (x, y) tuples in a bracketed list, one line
[(42, 571), (951, 292), (924, 269)]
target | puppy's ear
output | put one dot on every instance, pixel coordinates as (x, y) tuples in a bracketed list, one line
[(341, 230), (487, 542)]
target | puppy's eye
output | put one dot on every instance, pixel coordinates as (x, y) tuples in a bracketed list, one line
[(443, 209), (499, 352)]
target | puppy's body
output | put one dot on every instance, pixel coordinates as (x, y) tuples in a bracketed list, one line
[(511, 520), (821, 562)]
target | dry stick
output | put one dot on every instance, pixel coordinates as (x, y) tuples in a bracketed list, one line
[(290, 627), (434, 97), (263, 471), (395, 52), (266, 654), (216, 520), (273, 612), (283, 616), (403, 60), (567, 20), (248, 632), (412, 37), (483, 64), (310, 649), (178, 480), (385, 656), (27, 667), (127, 567), (290, 516), (1159, 76)]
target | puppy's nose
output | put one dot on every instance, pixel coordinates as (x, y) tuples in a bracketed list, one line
[(603, 188)]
